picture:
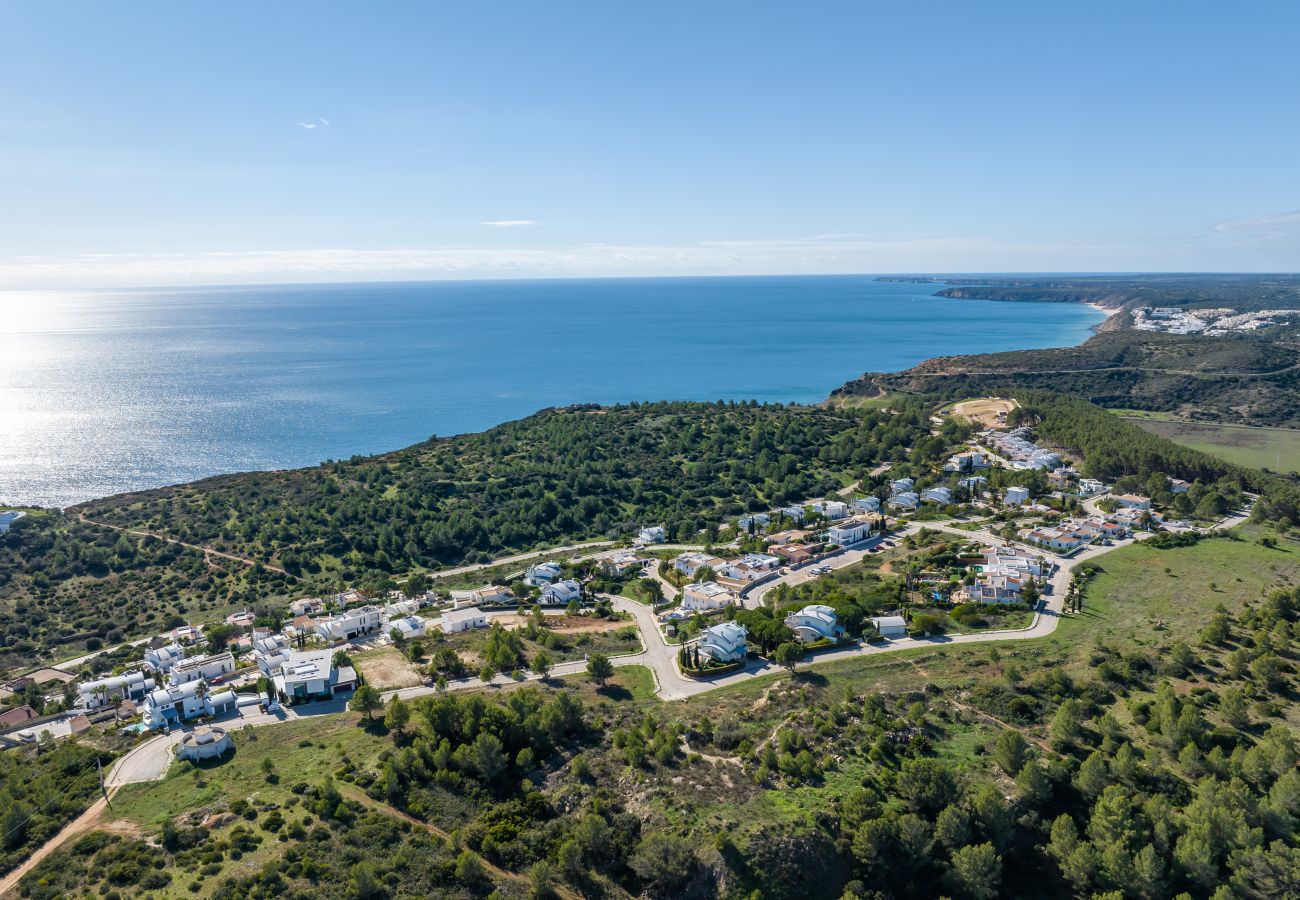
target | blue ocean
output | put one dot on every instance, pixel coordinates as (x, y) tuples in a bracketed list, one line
[(103, 392)]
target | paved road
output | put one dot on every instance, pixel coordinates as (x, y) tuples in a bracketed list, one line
[(149, 760)]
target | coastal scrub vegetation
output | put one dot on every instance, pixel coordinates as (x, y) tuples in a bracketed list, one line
[(558, 476)]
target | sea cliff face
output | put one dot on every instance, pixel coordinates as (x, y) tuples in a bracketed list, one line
[(1110, 301)]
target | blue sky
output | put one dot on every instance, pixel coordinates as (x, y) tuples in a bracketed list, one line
[(207, 143)]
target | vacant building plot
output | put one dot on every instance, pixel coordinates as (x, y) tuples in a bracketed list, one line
[(386, 669), (991, 412)]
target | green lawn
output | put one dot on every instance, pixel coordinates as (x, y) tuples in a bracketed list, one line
[(1246, 445)]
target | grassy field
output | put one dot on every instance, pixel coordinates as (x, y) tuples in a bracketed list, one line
[(1246, 445)]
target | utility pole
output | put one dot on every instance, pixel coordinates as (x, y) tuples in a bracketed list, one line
[(99, 769)]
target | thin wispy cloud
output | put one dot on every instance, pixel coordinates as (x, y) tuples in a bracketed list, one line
[(314, 122), (1279, 223), (791, 256), (508, 223)]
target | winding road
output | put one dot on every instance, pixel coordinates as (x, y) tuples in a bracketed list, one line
[(148, 761)]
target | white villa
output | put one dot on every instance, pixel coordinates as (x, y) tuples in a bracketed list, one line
[(161, 659), (652, 534), (173, 705), (456, 620), (726, 642), (399, 608), (409, 627), (793, 513), (749, 567), (562, 592), (692, 561), (617, 562), (890, 626), (973, 482), (1088, 486), (542, 573), (813, 623), (706, 595), (210, 668), (965, 462), (850, 532), (488, 594), (271, 652), (1133, 501), (312, 675), (937, 495), (354, 623), (187, 634), (996, 587), (307, 606), (831, 509), (1016, 495), (127, 686), (867, 504), (905, 500), (902, 486), (758, 520)]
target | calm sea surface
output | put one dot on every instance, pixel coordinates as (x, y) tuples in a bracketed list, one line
[(113, 391)]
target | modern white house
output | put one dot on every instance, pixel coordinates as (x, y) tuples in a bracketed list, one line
[(706, 595), (890, 626), (562, 592), (725, 642), (850, 532), (457, 620), (173, 705), (940, 495), (1133, 501), (906, 500), (542, 573), (409, 627), (104, 691), (211, 668), (652, 534), (187, 634), (1178, 486), (835, 509), (814, 623), (354, 623), (965, 462), (161, 659), (1088, 486), (271, 653), (399, 608), (312, 675), (620, 562), (973, 482), (484, 596), (1016, 495), (692, 561), (793, 513), (867, 504), (902, 486), (758, 520), (749, 567), (306, 606)]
